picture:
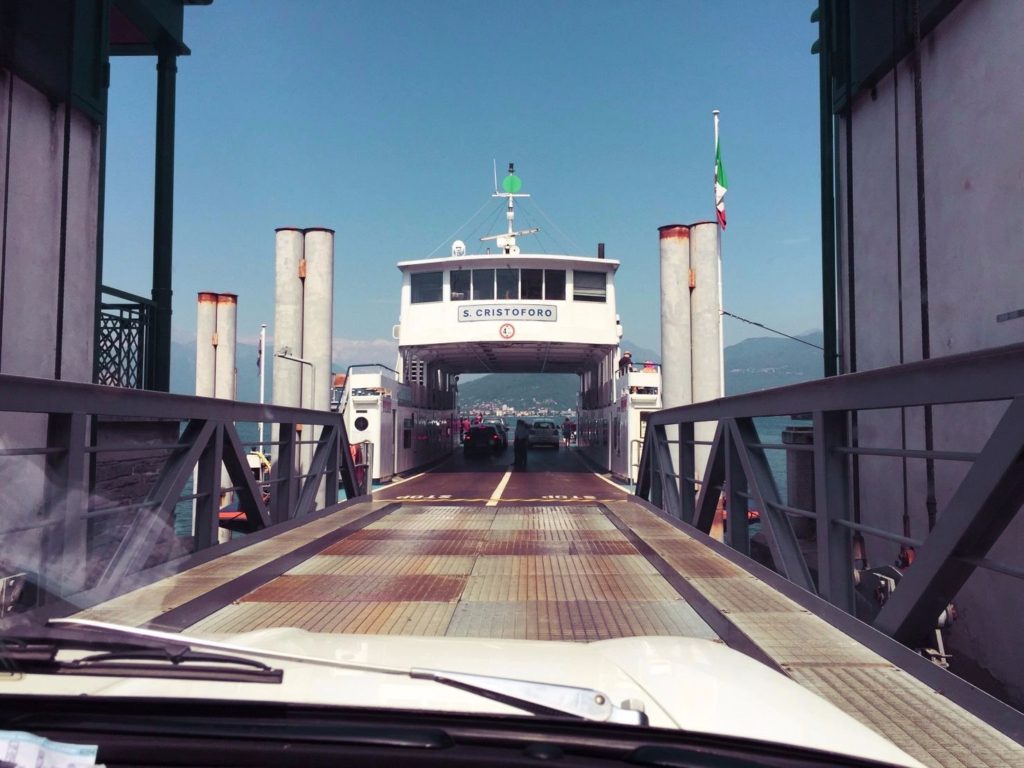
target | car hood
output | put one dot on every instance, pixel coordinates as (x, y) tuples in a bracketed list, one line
[(691, 684)]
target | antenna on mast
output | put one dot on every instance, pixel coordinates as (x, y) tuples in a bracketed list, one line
[(511, 184), (495, 161)]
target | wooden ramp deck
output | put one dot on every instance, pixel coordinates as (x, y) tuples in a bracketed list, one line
[(582, 571)]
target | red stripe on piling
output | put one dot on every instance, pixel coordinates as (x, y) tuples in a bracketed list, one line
[(674, 230)]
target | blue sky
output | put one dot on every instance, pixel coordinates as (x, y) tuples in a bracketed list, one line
[(381, 120)]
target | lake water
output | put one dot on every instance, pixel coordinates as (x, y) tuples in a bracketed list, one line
[(770, 430)]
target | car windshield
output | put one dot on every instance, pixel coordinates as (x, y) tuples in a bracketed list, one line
[(699, 415)]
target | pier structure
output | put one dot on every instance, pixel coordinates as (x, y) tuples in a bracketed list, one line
[(560, 552), (556, 552), (921, 260)]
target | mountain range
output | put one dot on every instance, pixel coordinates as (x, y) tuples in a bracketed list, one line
[(753, 364)]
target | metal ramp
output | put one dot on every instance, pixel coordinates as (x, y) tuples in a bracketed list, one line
[(575, 572)]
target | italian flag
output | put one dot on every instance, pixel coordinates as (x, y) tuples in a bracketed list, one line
[(721, 185)]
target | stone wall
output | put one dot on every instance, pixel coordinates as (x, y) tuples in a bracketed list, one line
[(126, 477)]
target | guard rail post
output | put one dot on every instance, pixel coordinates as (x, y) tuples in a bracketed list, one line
[(687, 471), (208, 483), (832, 504), (282, 475), (67, 496), (737, 531)]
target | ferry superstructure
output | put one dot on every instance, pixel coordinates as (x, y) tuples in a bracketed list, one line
[(502, 311)]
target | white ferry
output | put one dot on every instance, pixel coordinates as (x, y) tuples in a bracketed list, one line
[(501, 311)]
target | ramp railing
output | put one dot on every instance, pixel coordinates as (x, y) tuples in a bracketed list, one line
[(98, 483), (866, 458)]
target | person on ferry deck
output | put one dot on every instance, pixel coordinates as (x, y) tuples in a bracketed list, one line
[(521, 444), (625, 363), (566, 431)]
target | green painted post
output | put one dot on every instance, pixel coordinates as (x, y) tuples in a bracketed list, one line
[(159, 370), (828, 208)]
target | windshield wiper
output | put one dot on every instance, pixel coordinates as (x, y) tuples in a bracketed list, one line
[(36, 652), (538, 698)]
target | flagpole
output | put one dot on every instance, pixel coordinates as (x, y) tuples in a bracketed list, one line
[(721, 330), (263, 346), (716, 113)]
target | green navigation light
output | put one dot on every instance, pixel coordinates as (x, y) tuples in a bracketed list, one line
[(512, 184)]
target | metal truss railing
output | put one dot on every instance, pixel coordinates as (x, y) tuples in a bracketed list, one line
[(125, 327), (49, 455), (978, 511)]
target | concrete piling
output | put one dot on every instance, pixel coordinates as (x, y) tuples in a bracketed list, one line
[(227, 340), (317, 327), (705, 329), (676, 376), (206, 349)]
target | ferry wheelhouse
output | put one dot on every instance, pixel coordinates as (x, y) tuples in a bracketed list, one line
[(501, 311)]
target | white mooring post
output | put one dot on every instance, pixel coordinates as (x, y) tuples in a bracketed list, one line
[(317, 331), (705, 329), (227, 339), (676, 373), (206, 362), (225, 377), (206, 348), (287, 380)]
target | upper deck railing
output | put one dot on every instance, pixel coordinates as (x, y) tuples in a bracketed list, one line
[(340, 395), (100, 484), (980, 508)]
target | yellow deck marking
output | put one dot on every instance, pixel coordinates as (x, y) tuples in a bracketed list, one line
[(393, 483), (493, 501), (611, 483), (541, 500)]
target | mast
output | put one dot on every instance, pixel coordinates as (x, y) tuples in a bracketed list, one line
[(263, 346), (511, 185)]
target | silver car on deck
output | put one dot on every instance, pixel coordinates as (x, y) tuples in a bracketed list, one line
[(544, 432)]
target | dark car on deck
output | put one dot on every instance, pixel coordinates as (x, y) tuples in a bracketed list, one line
[(482, 439), (502, 430)]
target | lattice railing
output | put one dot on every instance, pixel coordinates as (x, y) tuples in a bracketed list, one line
[(124, 335)]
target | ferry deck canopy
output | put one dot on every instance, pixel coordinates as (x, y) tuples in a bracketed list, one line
[(512, 356)]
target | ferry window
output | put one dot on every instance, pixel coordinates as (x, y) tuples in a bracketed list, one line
[(508, 283), (533, 283), (460, 285), (588, 286), (554, 284), (426, 286), (483, 284)]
